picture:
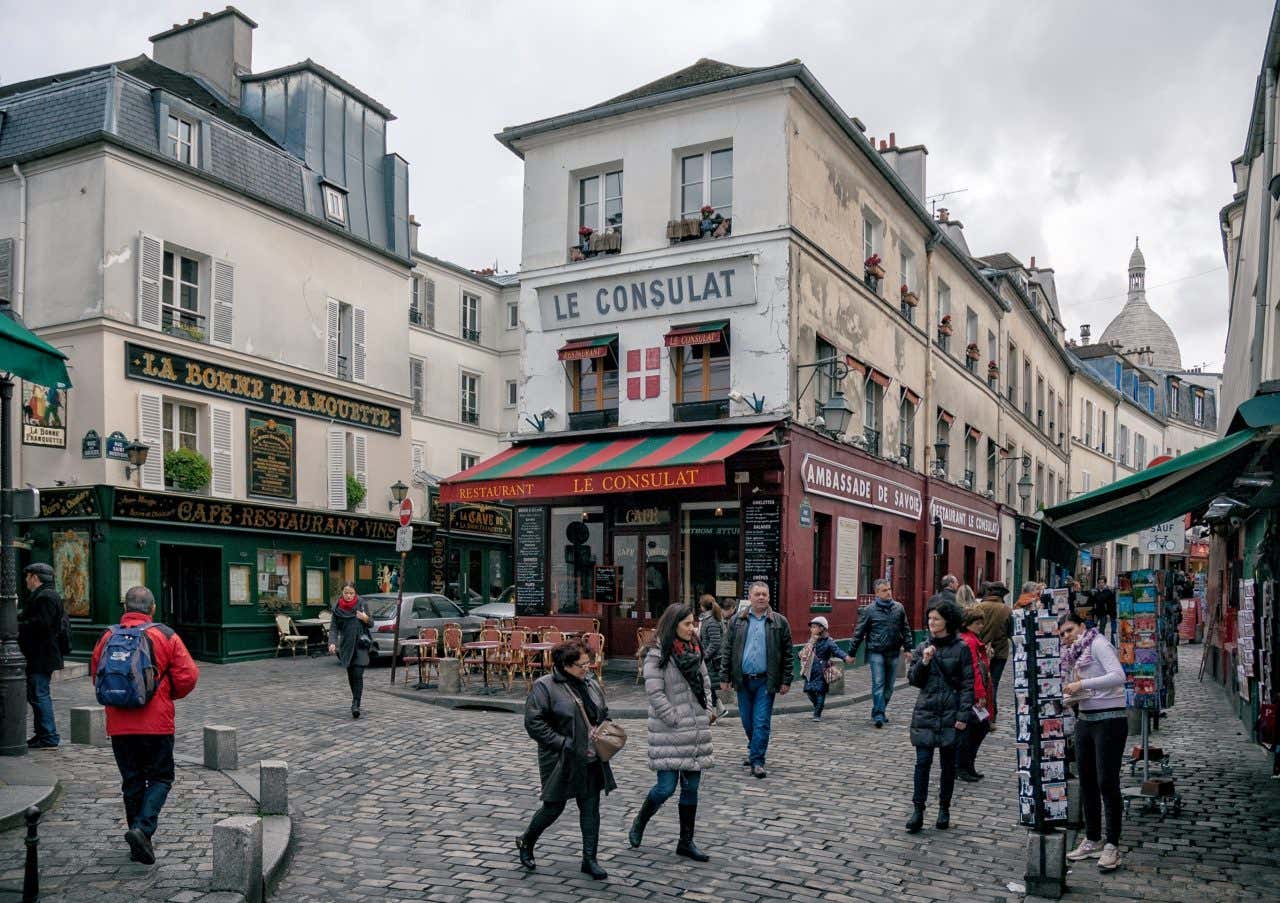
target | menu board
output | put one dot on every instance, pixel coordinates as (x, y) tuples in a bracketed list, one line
[(1042, 719), (606, 584), (1138, 617), (762, 543), (531, 560), (847, 557), (270, 443)]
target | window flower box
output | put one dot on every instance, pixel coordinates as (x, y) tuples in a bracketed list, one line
[(691, 229), (944, 326), (971, 351), (993, 369), (874, 266), (910, 298)]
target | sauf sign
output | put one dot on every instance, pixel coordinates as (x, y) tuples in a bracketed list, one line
[(1164, 539), (691, 288)]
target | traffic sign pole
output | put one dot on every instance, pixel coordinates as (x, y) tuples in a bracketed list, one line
[(406, 518)]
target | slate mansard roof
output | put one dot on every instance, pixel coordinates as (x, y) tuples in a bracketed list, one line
[(124, 103)]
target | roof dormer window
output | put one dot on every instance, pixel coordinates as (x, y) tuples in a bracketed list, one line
[(335, 203), (181, 140)]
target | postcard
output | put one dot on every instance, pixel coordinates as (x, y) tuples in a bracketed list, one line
[(1146, 641), (1141, 670), (1050, 708), (1124, 606), (1024, 757), (1056, 792), (1126, 653), (1047, 646), (1051, 729), (1055, 811), (1053, 749), (1024, 729), (1025, 787), (1050, 686), (1053, 770), (1020, 681), (1027, 811), (1047, 625), (1023, 702), (1144, 686)]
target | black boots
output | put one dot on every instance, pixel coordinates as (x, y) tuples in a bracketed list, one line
[(916, 822), (590, 866), (944, 817), (636, 834), (524, 846), (688, 815), (589, 821)]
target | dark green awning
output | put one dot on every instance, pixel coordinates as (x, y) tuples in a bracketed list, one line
[(26, 355), (1153, 496)]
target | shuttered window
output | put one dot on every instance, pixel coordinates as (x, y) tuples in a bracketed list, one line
[(360, 466), (417, 458), (221, 331), (417, 385), (150, 432), (429, 313), (150, 258), (357, 344), (221, 457), (6, 270), (336, 462)]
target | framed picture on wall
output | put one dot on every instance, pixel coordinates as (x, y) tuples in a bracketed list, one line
[(71, 571), (239, 579)]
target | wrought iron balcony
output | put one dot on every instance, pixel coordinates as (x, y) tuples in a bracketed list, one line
[(687, 411), (593, 420)]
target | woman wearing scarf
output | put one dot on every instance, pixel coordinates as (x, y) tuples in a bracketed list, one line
[(349, 639), (679, 692), (560, 713), (1096, 683)]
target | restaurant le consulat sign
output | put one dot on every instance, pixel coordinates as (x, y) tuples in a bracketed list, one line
[(686, 289), (181, 372)]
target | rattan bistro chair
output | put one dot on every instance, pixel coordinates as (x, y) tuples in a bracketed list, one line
[(595, 646), (644, 637), (513, 657), (453, 649), (287, 635), (428, 656)]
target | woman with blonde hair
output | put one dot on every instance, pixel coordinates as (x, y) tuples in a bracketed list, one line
[(965, 596)]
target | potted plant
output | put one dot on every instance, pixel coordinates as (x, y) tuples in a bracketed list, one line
[(971, 351), (186, 470), (355, 492), (993, 369), (874, 266), (584, 238), (944, 327), (710, 219), (908, 296)]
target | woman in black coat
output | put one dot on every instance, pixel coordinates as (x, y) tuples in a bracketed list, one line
[(349, 639), (942, 669), (560, 713)]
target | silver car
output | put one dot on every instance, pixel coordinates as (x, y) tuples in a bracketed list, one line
[(420, 610)]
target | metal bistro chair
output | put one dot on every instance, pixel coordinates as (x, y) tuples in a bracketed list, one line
[(287, 635), (595, 645), (453, 649), (644, 637), (513, 658), (428, 656), (490, 634)]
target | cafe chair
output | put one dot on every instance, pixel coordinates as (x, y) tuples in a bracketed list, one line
[(491, 622), (453, 649), (595, 646), (644, 637), (513, 657), (490, 634), (287, 635), (428, 655), (552, 635)]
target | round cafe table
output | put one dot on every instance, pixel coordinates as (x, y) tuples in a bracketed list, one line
[(484, 646), (540, 648)]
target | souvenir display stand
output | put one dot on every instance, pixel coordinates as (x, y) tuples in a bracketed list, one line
[(1141, 649), (1041, 730)]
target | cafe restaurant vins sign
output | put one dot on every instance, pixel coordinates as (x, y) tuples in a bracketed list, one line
[(194, 375), (687, 289), (848, 484)]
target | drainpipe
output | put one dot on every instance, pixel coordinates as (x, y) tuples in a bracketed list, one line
[(926, 530), (1264, 229), (20, 253)]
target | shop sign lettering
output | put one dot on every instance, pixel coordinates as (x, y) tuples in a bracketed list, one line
[(68, 503), (490, 520), (645, 480), (965, 520), (690, 288), (198, 376), (643, 517), (838, 481)]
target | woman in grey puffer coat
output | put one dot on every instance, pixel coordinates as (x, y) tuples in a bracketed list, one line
[(680, 718)]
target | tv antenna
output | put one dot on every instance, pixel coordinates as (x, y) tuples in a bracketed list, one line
[(934, 198)]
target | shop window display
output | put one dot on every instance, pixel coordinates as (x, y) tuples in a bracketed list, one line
[(709, 550), (577, 546), (279, 580)]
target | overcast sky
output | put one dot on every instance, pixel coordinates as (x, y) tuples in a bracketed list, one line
[(1072, 126)]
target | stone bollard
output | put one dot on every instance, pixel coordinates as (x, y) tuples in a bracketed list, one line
[(273, 787), (1046, 864), (1074, 817), (237, 856), (89, 725), (450, 676), (220, 752)]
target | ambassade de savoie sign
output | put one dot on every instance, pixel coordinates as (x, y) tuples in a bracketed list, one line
[(848, 484), (685, 289)]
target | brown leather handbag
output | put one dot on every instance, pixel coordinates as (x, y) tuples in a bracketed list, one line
[(607, 738)]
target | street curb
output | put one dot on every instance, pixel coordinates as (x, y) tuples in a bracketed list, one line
[(23, 784), (516, 706)]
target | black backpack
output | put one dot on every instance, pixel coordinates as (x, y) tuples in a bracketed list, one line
[(64, 633)]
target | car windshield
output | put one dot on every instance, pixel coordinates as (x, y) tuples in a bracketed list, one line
[(382, 609), (447, 609)]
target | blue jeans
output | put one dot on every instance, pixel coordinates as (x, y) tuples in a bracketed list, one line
[(755, 709), (665, 786), (882, 665), (42, 708), (146, 774)]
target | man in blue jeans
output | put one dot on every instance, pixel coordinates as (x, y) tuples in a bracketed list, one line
[(883, 625), (39, 627), (756, 658)]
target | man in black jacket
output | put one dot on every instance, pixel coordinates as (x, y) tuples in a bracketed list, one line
[(39, 626), (1104, 607), (883, 625), (950, 583), (756, 657)]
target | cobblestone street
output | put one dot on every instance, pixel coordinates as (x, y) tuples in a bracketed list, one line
[(419, 802)]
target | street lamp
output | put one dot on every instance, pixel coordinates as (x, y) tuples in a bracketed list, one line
[(398, 491), (1025, 483), (837, 413), (137, 450), (940, 456)]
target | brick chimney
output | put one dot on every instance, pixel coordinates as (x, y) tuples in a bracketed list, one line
[(1032, 264), (1084, 333), (217, 49)]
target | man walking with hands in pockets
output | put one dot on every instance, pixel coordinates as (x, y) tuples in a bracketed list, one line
[(883, 625), (755, 656)]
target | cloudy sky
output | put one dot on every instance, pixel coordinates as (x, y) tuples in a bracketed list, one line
[(1071, 126)]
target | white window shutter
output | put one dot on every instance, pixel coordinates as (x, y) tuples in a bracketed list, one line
[(336, 460), (221, 433), (431, 304), (221, 331), (331, 338), (357, 344), (150, 265), (418, 459), (151, 433), (417, 385), (360, 447)]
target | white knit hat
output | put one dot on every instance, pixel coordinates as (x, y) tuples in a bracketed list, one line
[(820, 621)]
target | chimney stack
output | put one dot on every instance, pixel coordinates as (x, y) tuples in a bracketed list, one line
[(217, 48), (884, 145), (1032, 265), (1084, 333), (413, 233), (893, 139)]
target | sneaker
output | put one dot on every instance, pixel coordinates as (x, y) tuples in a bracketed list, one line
[(878, 724), (721, 711), (1088, 849), (1109, 861), (746, 761), (817, 717), (759, 771), (140, 848), (43, 744)]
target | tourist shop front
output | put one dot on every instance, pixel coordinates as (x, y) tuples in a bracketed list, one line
[(220, 570)]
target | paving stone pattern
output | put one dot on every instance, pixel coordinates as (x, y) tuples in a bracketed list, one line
[(418, 802)]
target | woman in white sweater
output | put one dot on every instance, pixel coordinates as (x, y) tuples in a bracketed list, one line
[(1097, 685)]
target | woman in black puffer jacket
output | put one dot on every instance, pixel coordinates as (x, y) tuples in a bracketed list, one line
[(942, 669)]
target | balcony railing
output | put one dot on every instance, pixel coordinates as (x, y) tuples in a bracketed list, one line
[(183, 323), (471, 416), (344, 371), (471, 335), (416, 317), (908, 311), (872, 438), (971, 479), (687, 411), (695, 228), (593, 420), (821, 600), (596, 244), (907, 453)]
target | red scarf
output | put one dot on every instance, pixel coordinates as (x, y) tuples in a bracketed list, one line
[(348, 606)]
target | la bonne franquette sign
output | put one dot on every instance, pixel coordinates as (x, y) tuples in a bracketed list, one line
[(687, 289)]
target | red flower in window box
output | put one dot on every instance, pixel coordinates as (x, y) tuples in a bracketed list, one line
[(908, 296), (993, 369), (874, 266), (972, 352), (585, 231), (707, 211), (944, 326)]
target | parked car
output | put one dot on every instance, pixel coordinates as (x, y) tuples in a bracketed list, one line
[(420, 610), (496, 610)]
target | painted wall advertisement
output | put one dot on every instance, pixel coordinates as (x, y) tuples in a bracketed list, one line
[(71, 571), (271, 446), (44, 416)]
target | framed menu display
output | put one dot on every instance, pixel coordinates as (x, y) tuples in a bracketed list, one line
[(1042, 721)]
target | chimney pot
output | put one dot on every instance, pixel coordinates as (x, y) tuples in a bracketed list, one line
[(1033, 261), (893, 139), (884, 145)]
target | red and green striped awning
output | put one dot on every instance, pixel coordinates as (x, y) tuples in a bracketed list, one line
[(571, 467), (699, 334), (584, 349)]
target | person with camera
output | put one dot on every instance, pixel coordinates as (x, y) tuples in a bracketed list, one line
[(350, 640)]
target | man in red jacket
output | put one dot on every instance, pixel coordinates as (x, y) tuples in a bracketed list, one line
[(142, 739)]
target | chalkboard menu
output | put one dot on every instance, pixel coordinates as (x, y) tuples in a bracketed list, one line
[(606, 584), (531, 560), (762, 543)]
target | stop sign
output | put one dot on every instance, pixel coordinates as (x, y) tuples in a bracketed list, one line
[(406, 512)]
